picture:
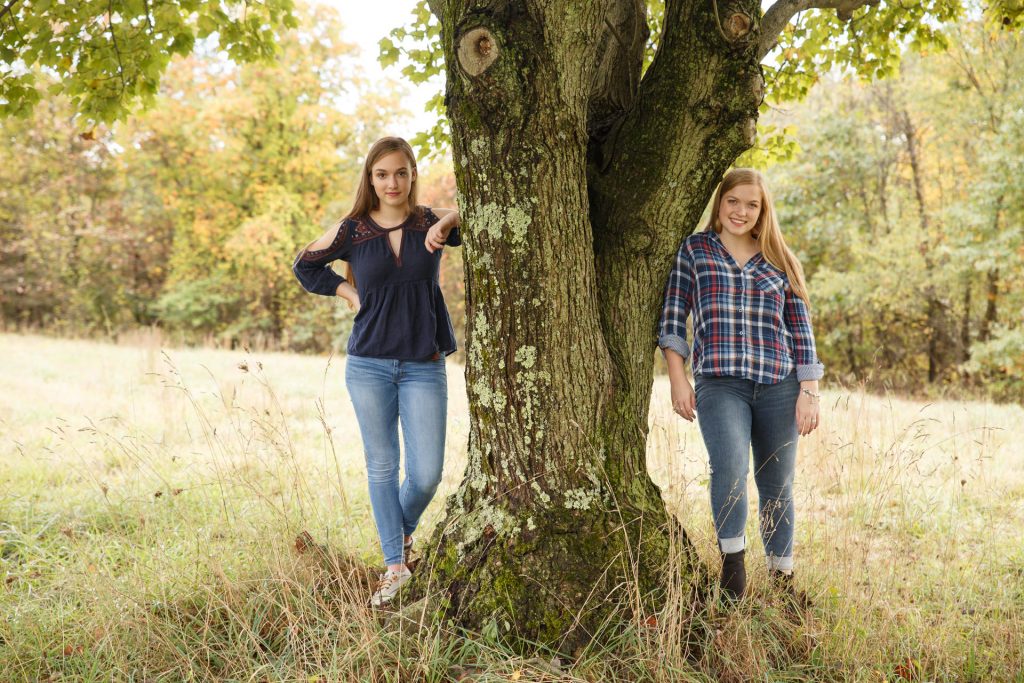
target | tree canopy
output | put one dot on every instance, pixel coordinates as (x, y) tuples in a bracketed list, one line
[(800, 42), (109, 56)]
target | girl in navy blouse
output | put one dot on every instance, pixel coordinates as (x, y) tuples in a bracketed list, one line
[(754, 363), (394, 370)]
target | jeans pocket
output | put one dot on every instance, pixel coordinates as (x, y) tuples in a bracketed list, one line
[(365, 371)]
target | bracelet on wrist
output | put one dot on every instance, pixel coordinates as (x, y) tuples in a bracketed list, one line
[(810, 393)]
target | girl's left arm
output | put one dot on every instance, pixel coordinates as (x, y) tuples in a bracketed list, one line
[(805, 354), (808, 368)]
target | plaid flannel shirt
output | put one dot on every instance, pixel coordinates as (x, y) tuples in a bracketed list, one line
[(747, 322)]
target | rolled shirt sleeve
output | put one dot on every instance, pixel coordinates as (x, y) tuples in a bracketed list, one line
[(678, 304)]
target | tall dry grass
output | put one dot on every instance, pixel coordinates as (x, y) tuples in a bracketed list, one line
[(150, 502)]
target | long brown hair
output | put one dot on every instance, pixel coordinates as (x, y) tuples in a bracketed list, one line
[(766, 230), (366, 198)]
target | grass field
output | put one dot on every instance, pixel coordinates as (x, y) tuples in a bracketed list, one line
[(150, 500)]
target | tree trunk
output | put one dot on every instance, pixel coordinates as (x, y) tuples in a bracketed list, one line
[(965, 323), (574, 204), (939, 337), (991, 305), (991, 281)]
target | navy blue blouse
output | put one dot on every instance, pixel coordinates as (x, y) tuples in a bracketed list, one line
[(402, 314)]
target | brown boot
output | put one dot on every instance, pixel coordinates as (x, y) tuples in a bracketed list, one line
[(734, 575)]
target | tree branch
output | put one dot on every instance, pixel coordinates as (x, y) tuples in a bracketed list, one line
[(14, 23), (694, 113), (703, 87), (618, 54), (779, 14), (117, 50), (8, 8), (149, 19)]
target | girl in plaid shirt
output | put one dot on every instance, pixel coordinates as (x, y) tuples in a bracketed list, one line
[(754, 364)]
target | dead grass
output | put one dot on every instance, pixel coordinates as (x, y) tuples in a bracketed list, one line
[(150, 502)]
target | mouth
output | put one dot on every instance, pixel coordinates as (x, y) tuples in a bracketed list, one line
[(391, 194), (737, 223)]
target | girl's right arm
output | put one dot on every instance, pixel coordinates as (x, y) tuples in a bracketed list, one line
[(684, 400), (672, 332), (312, 265)]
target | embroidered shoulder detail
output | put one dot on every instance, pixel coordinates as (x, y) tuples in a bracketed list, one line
[(361, 232), (425, 219)]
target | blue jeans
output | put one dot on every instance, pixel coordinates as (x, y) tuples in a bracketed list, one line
[(383, 393), (736, 414)]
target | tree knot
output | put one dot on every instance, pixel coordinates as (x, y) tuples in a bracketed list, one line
[(478, 49), (735, 30), (737, 26)]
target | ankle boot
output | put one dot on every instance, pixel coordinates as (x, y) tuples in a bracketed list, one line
[(782, 582), (734, 575)]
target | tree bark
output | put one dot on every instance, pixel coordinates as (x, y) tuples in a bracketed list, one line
[(965, 322), (572, 215), (991, 305)]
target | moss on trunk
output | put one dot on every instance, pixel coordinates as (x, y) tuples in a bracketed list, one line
[(557, 579)]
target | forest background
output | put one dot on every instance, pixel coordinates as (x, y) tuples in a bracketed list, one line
[(904, 199)]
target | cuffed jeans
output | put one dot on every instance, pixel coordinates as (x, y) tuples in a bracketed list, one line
[(736, 414), (385, 392)]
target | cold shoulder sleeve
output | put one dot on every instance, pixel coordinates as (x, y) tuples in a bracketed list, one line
[(313, 268)]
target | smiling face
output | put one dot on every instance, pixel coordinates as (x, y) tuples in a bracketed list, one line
[(739, 209), (392, 177)]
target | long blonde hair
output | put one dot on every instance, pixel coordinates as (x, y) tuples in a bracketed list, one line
[(366, 198), (766, 230)]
